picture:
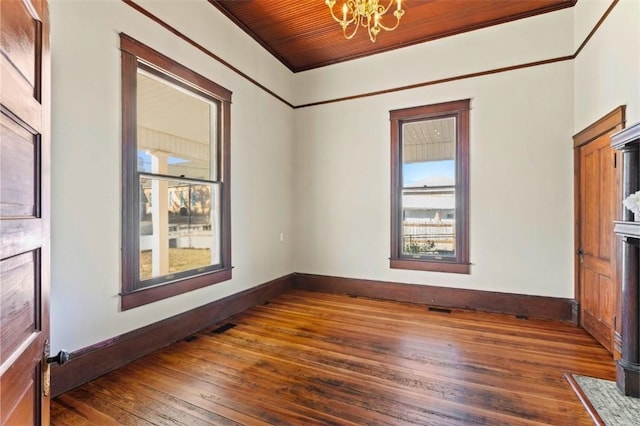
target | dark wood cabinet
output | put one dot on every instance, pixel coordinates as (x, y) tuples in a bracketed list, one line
[(628, 366)]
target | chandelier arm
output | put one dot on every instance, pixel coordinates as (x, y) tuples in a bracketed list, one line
[(398, 14), (343, 23), (381, 9), (349, 37), (364, 21), (389, 28), (351, 9), (330, 4), (339, 21), (372, 35), (356, 20)]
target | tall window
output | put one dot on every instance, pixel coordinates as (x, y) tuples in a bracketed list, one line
[(176, 225), (430, 187)]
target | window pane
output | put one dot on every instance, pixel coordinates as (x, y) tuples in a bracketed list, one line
[(174, 130), (179, 227), (428, 196)]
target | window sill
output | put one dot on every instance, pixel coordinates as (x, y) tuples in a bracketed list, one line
[(426, 265), (153, 294)]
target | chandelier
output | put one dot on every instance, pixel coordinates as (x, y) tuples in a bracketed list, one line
[(365, 13)]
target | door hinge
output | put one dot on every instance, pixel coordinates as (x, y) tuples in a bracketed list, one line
[(615, 160)]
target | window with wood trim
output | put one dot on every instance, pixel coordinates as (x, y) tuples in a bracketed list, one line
[(175, 164), (430, 187)]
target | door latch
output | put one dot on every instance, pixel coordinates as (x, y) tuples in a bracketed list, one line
[(61, 358)]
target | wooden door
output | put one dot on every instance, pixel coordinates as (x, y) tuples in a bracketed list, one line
[(596, 187), (24, 211)]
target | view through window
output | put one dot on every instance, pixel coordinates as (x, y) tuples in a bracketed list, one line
[(428, 187), (179, 184)]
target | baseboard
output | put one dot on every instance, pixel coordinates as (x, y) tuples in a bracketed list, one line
[(88, 363), (540, 307)]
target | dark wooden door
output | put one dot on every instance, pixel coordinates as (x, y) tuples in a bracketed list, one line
[(596, 243), (24, 211)]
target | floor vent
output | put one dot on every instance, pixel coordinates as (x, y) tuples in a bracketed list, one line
[(442, 310), (522, 317), (190, 338), (223, 328)]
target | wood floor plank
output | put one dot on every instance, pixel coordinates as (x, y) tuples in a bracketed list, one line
[(97, 411), (63, 414), (166, 405), (448, 323), (168, 400), (441, 349), (138, 404), (292, 382), (391, 397), (191, 391), (438, 347), (378, 366), (287, 379), (313, 358)]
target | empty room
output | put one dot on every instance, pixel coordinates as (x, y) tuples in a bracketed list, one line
[(400, 212)]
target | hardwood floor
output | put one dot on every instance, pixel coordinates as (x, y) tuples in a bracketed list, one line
[(313, 358)]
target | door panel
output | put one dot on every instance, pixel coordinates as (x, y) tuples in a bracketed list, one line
[(607, 306), (19, 39), (24, 210), (24, 413), (591, 197), (597, 267), (22, 388), (19, 302), (17, 169), (589, 292)]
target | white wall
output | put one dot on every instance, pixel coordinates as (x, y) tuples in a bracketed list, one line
[(521, 159), (520, 184), (607, 71), (86, 155)]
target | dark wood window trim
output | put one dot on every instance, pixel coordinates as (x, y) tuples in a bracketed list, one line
[(459, 110), (136, 55)]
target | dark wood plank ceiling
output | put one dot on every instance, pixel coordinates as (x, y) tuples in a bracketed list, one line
[(303, 36)]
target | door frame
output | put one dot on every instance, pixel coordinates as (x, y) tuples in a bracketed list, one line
[(610, 123)]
